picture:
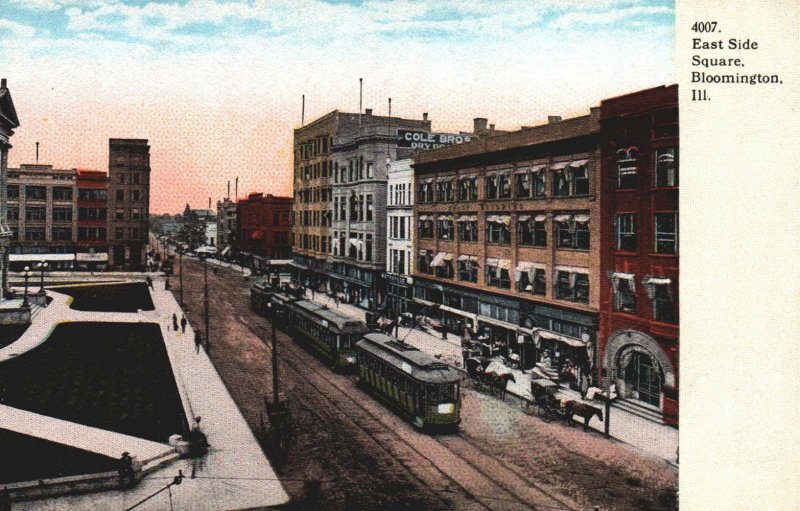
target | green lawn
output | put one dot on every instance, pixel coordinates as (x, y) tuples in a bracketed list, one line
[(126, 297), (114, 376)]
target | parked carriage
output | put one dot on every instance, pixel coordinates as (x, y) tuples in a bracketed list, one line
[(413, 383)]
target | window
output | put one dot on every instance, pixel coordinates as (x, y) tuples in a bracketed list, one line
[(531, 230), (524, 188), (467, 268), (121, 195), (425, 193), (580, 181), (35, 214), (402, 221), (626, 167), (445, 269), (425, 227), (626, 232), (135, 177), (494, 311), (135, 214), (137, 194), (370, 170), (118, 233), (369, 207), (61, 234), (368, 249), (91, 194), (491, 186), (666, 229), (34, 234), (91, 213), (35, 192), (424, 261), (497, 273), (660, 294), (444, 191), (572, 286), (532, 281), (92, 233), (666, 167), (13, 191), (468, 228), (468, 188), (134, 232), (504, 186), (121, 178), (12, 213), (624, 289), (572, 231), (497, 230), (445, 227), (62, 193), (539, 183), (62, 214)]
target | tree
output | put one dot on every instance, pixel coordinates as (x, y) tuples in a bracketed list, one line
[(193, 230)]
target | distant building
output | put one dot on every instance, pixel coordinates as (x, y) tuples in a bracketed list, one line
[(92, 204), (129, 199), (226, 224), (264, 225), (639, 285), (8, 123), (43, 216), (211, 233)]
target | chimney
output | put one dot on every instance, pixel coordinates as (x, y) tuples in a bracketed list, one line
[(491, 129), (479, 124), (594, 111), (552, 119), (368, 111), (425, 116)]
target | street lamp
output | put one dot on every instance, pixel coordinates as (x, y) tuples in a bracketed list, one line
[(205, 297), (26, 275), (42, 265), (180, 272)]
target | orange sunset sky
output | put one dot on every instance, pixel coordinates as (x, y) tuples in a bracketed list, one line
[(216, 85)]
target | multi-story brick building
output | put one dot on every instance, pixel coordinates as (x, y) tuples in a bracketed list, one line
[(92, 204), (128, 201), (638, 339), (507, 240), (226, 225), (264, 227), (8, 123), (42, 215)]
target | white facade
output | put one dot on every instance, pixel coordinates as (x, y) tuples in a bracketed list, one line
[(211, 233), (400, 215)]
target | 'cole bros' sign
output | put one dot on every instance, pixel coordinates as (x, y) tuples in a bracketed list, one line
[(427, 140)]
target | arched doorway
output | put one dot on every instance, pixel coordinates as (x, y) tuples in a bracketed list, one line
[(642, 376)]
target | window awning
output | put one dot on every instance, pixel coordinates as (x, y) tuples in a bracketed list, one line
[(256, 235), (504, 172), (537, 168), (424, 217), (573, 269), (446, 217), (42, 257), (578, 163), (581, 219), (453, 310), (468, 176), (654, 281), (468, 218), (226, 250), (540, 218), (335, 244), (625, 276), (522, 171), (560, 165), (547, 334), (438, 260), (448, 256), (524, 218), (354, 242), (423, 252), (562, 218), (428, 180), (499, 219)]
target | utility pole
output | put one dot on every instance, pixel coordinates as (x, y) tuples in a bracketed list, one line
[(205, 299), (180, 272), (275, 384)]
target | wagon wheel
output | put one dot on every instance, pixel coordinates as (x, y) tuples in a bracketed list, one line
[(544, 412)]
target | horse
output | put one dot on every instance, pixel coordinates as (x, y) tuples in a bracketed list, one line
[(497, 381), (584, 410)]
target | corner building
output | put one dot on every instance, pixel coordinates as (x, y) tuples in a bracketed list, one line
[(639, 318), (506, 241)]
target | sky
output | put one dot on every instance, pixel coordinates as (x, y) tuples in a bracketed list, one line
[(216, 85)]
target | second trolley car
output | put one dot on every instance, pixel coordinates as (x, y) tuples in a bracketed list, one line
[(417, 385)]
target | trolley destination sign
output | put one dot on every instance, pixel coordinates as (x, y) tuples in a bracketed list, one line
[(427, 140)]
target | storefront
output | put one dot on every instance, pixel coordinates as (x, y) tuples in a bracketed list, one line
[(353, 284), (55, 262), (399, 292), (91, 261)]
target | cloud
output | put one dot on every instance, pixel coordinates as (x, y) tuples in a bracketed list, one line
[(17, 29), (608, 17)]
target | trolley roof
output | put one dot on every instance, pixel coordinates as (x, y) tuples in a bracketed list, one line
[(335, 321), (419, 365)]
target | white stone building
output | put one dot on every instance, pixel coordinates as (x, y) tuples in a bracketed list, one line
[(399, 224)]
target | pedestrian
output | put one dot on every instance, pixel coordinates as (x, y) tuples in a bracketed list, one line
[(313, 292), (174, 321), (197, 342), (336, 299), (183, 324), (125, 469), (149, 282)]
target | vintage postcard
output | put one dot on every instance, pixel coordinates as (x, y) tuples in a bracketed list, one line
[(385, 255)]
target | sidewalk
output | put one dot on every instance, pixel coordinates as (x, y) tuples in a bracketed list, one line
[(653, 438)]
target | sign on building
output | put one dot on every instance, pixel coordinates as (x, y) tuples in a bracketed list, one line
[(427, 140)]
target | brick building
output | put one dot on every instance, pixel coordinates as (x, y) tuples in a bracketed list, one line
[(264, 227), (506, 240), (638, 339), (92, 204), (128, 201), (226, 225)]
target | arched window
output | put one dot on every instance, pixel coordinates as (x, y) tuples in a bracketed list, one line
[(627, 160)]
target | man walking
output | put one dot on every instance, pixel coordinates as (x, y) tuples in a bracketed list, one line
[(197, 342), (183, 324), (174, 321), (149, 282)]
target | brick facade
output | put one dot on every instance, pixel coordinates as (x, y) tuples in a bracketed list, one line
[(264, 226)]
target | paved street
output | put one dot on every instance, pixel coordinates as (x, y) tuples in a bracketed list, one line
[(352, 453)]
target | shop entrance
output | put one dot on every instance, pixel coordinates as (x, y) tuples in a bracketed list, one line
[(643, 379)]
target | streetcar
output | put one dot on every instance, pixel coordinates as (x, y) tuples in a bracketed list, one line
[(261, 296), (415, 384), (327, 332)]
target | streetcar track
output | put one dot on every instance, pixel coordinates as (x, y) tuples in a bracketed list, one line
[(473, 466)]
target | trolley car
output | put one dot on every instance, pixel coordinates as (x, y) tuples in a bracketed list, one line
[(415, 384), (325, 331), (260, 297)]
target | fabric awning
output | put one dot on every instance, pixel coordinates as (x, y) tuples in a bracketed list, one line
[(578, 163), (96, 257), (424, 217), (226, 250), (524, 218), (540, 218), (504, 172), (499, 219), (581, 219), (466, 314), (335, 244), (560, 165), (468, 218), (655, 281), (617, 276), (504, 264), (438, 260), (353, 242), (547, 334), (446, 217), (448, 256), (422, 251), (537, 168), (522, 171), (428, 180), (497, 322), (562, 218), (620, 275), (573, 269)]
